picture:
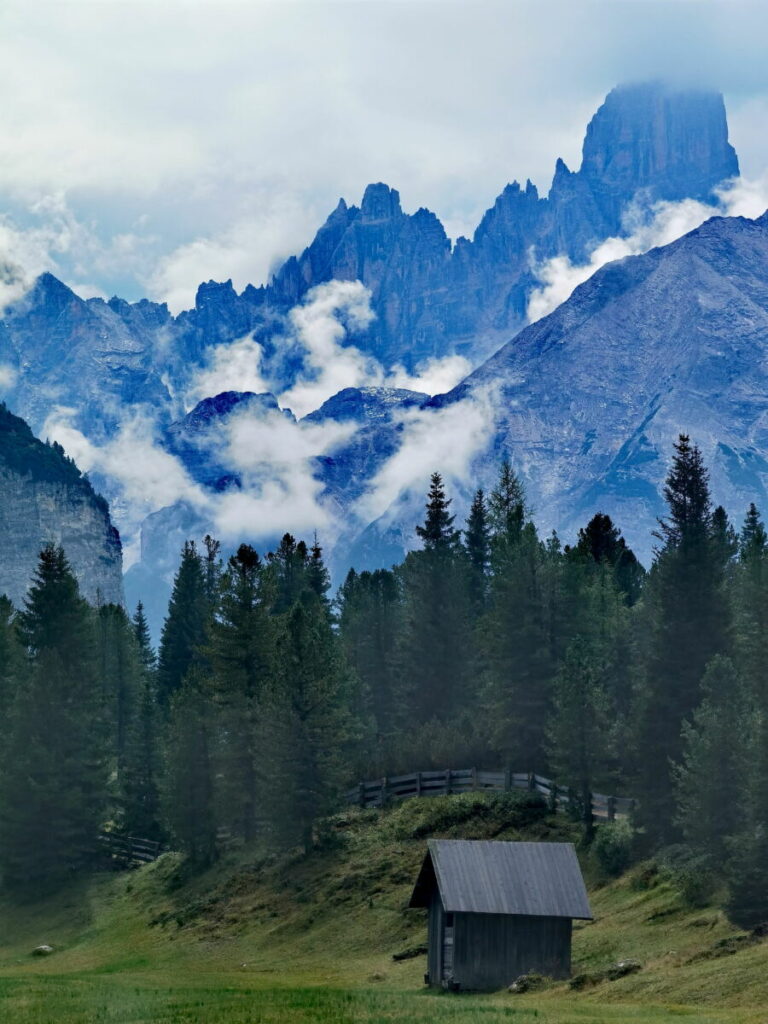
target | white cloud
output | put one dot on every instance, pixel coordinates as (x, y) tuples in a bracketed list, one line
[(662, 223), (271, 227), (432, 377), (144, 476), (235, 366), (445, 439), (319, 326), (8, 375)]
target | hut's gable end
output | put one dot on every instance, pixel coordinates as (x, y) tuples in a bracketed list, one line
[(530, 879)]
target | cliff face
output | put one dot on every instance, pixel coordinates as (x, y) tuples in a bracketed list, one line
[(44, 498)]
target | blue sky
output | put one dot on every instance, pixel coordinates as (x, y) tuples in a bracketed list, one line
[(146, 147)]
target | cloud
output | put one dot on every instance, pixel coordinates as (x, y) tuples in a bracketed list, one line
[(319, 326), (234, 366), (142, 475), (445, 439), (8, 376), (647, 227), (271, 226), (433, 377)]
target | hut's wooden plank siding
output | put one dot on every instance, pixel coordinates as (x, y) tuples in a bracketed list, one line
[(498, 910), (491, 950)]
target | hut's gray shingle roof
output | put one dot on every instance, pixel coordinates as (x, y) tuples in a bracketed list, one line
[(540, 879)]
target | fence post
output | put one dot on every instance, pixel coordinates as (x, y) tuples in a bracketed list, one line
[(474, 778), (553, 798), (507, 779), (418, 783), (383, 795), (361, 795), (611, 808), (532, 781), (448, 781)]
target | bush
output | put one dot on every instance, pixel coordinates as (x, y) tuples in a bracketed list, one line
[(691, 873), (486, 813), (613, 846)]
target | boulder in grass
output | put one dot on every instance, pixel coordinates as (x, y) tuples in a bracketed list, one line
[(43, 950), (527, 983)]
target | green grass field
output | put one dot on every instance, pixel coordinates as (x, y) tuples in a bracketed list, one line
[(258, 940)]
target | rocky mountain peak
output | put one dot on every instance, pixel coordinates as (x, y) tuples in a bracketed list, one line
[(673, 141), (380, 202)]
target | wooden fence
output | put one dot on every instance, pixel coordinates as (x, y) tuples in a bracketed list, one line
[(380, 792), (126, 850)]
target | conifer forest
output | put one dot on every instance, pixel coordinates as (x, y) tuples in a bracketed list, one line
[(489, 645)]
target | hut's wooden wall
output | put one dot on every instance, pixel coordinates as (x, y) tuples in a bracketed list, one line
[(492, 950), (435, 939)]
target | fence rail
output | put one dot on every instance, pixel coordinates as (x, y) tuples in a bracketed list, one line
[(129, 849), (380, 792)]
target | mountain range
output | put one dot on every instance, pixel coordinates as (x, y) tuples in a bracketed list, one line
[(585, 401)]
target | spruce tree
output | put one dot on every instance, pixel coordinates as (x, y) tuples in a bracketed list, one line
[(188, 785), (715, 763), (185, 629), (477, 543), (601, 541), (141, 774), (579, 729), (311, 726), (689, 624), (54, 778), (12, 664), (370, 623), (436, 645), (242, 657)]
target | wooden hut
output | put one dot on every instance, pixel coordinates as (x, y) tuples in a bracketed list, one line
[(499, 910)]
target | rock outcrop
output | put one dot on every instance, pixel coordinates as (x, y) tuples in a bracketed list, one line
[(44, 498)]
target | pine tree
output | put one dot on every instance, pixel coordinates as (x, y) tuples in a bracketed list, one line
[(753, 539), (185, 628), (689, 624), (437, 532), (310, 722), (370, 623), (518, 642), (242, 656), (289, 566), (436, 645), (477, 543), (602, 541), (188, 789), (579, 733), (507, 512), (140, 796), (54, 784), (714, 765)]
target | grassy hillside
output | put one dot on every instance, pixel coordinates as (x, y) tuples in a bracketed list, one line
[(310, 939)]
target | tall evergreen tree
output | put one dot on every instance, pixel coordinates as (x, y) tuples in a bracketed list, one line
[(188, 786), (436, 649), (242, 656), (54, 783), (477, 543), (601, 541), (310, 722), (579, 730), (689, 625), (714, 765), (370, 622), (185, 629), (140, 793)]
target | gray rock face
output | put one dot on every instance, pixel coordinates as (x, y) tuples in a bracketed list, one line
[(43, 498), (645, 139), (589, 400)]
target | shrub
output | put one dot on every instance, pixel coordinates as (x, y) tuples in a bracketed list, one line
[(613, 846), (690, 873)]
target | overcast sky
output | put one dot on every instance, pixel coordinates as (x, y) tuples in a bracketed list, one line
[(145, 147)]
